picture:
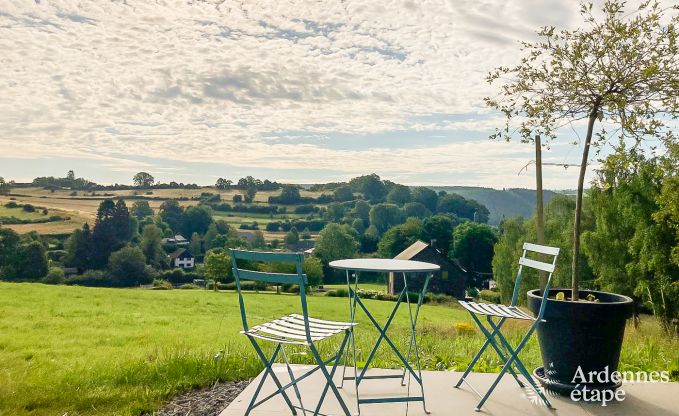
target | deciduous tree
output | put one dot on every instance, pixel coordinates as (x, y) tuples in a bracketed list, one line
[(335, 242), (143, 180), (620, 70)]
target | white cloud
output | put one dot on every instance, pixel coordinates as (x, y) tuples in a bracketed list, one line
[(210, 80)]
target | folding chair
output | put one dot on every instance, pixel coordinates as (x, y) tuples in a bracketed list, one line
[(293, 329), (508, 354)]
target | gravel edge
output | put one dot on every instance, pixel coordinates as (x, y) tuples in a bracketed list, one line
[(210, 401)]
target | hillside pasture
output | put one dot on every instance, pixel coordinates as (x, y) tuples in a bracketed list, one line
[(87, 351), (76, 219), (82, 207)]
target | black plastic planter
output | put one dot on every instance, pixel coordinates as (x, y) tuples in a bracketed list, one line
[(580, 334)]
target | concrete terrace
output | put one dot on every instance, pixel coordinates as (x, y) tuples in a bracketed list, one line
[(443, 399)]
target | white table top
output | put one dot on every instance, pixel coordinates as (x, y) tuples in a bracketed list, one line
[(384, 265)]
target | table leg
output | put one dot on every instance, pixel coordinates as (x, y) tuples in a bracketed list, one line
[(354, 301), (413, 338), (352, 314)]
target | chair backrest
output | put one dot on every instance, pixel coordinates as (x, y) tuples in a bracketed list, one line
[(537, 265), (297, 278)]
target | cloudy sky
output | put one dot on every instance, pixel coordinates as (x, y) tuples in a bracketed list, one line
[(298, 91)]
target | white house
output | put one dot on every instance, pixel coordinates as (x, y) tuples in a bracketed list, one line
[(182, 258)]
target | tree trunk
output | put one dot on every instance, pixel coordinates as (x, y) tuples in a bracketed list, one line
[(575, 265), (539, 207)]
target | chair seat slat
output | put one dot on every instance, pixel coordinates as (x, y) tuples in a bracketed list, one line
[(292, 331), (319, 323), (501, 311), (293, 325), (291, 328), (323, 321)]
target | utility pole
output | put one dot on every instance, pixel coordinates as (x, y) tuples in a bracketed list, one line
[(539, 206)]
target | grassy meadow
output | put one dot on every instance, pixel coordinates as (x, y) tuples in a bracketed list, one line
[(87, 351), (82, 207)]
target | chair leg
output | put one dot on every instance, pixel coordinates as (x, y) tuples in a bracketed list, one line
[(522, 369), (490, 340), (478, 355), (329, 381), (332, 374), (507, 367), (267, 367), (294, 381)]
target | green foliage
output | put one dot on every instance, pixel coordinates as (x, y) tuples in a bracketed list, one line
[(111, 231), (462, 208), (127, 267), (189, 286), (289, 195), (313, 268), (223, 184), (425, 196), (342, 194), (558, 233), (399, 194), (196, 245), (172, 213), (362, 210), (400, 237), (141, 209), (439, 228), (490, 296), (160, 284), (143, 180), (358, 225), (79, 248), (371, 186), (55, 276), (21, 258), (196, 219), (292, 236), (369, 240), (336, 242), (506, 256), (4, 186), (416, 209), (385, 216), (334, 212), (630, 247), (218, 266), (32, 261), (151, 245), (258, 240), (94, 278), (9, 252), (473, 247)]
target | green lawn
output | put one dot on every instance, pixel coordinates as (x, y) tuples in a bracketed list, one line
[(86, 351), (20, 213)]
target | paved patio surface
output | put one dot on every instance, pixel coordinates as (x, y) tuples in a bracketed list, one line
[(508, 399)]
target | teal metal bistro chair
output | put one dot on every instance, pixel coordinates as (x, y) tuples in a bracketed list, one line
[(293, 329), (508, 354)]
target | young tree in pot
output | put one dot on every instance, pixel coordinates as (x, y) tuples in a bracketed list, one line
[(620, 74)]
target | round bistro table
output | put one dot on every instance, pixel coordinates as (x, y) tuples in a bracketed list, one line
[(404, 268)]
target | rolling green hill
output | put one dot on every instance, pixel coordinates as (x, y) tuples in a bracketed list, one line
[(509, 202)]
